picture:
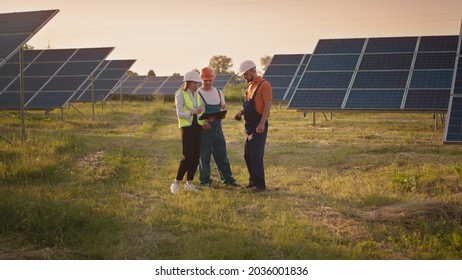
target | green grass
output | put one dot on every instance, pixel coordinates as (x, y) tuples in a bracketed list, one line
[(363, 186)]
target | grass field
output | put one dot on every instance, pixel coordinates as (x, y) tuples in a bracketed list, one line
[(362, 186)]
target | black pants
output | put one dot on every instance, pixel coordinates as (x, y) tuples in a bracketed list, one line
[(191, 142), (254, 150)]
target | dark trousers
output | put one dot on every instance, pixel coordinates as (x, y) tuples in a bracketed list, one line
[(254, 150), (191, 142)]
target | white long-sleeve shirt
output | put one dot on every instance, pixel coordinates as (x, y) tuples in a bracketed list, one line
[(179, 102)]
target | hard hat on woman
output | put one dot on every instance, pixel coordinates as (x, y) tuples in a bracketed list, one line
[(192, 76)]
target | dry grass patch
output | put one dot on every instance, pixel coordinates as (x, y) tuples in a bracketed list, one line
[(406, 212)]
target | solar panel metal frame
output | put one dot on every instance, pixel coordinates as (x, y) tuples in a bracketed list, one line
[(444, 53), (24, 35)]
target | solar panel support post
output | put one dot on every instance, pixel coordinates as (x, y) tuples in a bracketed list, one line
[(21, 95), (92, 87), (121, 96)]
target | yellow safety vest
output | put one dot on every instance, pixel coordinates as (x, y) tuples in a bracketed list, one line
[(187, 107)]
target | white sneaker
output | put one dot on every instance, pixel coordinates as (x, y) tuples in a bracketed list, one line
[(190, 187), (174, 187)]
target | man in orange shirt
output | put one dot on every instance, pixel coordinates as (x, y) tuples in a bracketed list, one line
[(256, 111)]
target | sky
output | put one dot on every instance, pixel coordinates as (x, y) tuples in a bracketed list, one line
[(177, 36)]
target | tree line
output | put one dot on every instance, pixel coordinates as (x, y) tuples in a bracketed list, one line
[(221, 64)]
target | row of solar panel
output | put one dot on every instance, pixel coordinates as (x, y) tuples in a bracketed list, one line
[(51, 78), (393, 74), (149, 85)]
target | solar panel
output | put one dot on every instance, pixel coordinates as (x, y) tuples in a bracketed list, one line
[(17, 28), (396, 73), (151, 85), (171, 85), (453, 133), (51, 77), (222, 80), (453, 129), (130, 85), (281, 73), (106, 77)]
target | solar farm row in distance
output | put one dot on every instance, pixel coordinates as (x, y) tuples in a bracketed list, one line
[(150, 85), (51, 77), (453, 129), (392, 74), (284, 72), (17, 28)]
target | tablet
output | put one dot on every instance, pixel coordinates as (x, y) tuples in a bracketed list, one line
[(217, 115)]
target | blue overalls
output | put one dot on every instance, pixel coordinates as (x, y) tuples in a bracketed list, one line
[(214, 143), (254, 147)]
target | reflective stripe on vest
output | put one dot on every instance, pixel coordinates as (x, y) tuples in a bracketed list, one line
[(189, 106)]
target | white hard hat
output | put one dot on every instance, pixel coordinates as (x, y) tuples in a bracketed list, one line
[(245, 66), (192, 76)]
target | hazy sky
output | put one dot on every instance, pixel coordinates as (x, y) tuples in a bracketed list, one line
[(179, 35)]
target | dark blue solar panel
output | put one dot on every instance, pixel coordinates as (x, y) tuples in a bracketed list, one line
[(51, 99), (387, 45), (286, 59), (278, 93), (11, 100), (322, 99), (28, 56), (10, 44), (9, 70), (386, 61), (427, 99), (325, 80), (42, 69), (458, 83), (24, 22), (454, 129), (111, 73), (375, 99), (30, 84), (78, 68), (276, 81), (4, 82), (381, 79), (281, 70), (435, 61), (17, 28), (65, 83), (438, 43), (431, 79), (330, 46), (108, 75), (333, 62), (91, 54), (55, 55)]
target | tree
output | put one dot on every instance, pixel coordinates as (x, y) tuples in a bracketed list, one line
[(221, 64), (265, 61), (176, 74), (151, 73), (131, 73), (27, 47)]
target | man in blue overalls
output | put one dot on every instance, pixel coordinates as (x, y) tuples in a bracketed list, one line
[(213, 141), (256, 110)]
